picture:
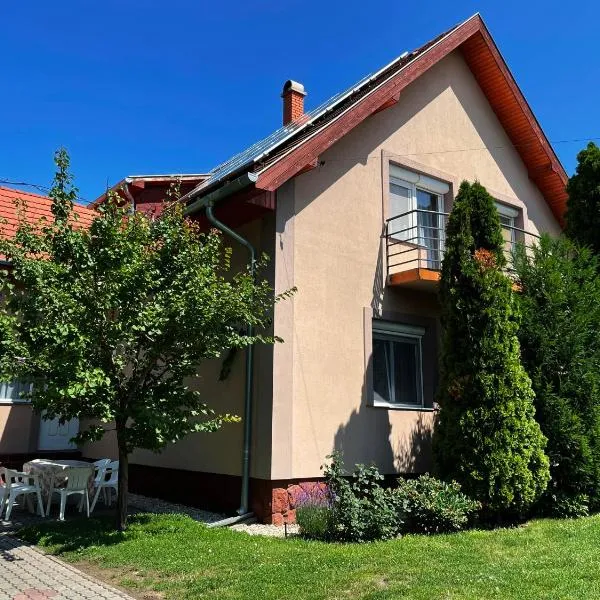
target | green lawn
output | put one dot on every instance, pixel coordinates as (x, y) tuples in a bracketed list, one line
[(179, 558)]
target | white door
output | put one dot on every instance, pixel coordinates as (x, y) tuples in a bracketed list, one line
[(54, 436)]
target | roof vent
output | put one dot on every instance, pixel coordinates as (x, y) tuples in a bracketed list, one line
[(293, 101)]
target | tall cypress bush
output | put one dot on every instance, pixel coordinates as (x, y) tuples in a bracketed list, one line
[(486, 436), (560, 348), (583, 206)]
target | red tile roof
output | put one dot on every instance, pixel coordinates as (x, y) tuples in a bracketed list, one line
[(37, 207)]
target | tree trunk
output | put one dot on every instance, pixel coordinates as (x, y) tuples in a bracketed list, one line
[(121, 516)]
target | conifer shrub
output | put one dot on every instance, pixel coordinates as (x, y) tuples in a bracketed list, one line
[(560, 349), (583, 205), (486, 437)]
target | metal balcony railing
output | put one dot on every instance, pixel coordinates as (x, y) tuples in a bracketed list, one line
[(416, 240)]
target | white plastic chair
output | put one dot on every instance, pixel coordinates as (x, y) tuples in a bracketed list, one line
[(99, 470), (14, 484), (99, 475), (77, 483), (109, 482)]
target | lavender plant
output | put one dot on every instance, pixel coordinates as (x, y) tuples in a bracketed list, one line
[(314, 513)]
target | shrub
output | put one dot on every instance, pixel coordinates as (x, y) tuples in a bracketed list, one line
[(361, 509), (429, 505), (314, 514), (560, 349), (314, 521), (583, 217), (562, 505), (486, 437)]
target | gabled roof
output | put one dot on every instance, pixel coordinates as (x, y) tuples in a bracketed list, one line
[(295, 147), (37, 206), (135, 183)]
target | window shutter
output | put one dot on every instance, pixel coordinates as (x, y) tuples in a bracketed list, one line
[(422, 181)]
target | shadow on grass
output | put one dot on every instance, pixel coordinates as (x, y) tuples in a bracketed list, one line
[(69, 536)]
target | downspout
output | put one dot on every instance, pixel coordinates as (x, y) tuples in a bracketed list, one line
[(243, 509), (208, 202), (129, 196)]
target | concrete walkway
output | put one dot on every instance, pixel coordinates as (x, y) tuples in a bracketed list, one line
[(28, 574)]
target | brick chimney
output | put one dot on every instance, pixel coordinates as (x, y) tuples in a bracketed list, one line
[(293, 101)]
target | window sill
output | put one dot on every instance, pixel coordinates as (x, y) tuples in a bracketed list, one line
[(405, 407), (4, 402)]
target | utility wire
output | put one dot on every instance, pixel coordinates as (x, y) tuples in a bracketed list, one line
[(456, 150), (46, 189), (41, 188)]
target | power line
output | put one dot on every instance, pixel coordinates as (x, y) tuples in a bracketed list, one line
[(456, 150), (46, 189), (41, 188), (37, 186)]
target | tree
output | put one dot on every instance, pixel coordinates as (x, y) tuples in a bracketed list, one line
[(583, 205), (486, 437), (560, 349), (111, 322)]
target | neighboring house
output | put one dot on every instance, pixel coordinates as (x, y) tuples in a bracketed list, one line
[(349, 200), (23, 433)]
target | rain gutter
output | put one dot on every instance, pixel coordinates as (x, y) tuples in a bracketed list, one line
[(219, 194), (207, 202)]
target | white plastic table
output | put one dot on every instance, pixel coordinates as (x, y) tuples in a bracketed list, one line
[(47, 469)]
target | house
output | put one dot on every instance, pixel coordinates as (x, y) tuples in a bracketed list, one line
[(23, 433), (350, 200)]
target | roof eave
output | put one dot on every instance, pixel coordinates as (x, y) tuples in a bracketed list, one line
[(131, 179), (291, 162)]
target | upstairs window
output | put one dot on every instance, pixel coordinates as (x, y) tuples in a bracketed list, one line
[(417, 203), (508, 220), (397, 364)]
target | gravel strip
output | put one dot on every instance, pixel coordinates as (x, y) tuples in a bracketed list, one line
[(269, 530), (155, 505)]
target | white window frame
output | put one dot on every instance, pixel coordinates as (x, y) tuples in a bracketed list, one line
[(510, 214), (6, 400), (409, 229), (387, 330), (402, 177)]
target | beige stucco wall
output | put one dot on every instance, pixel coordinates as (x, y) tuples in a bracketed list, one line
[(19, 429), (220, 451), (312, 391), (329, 225)]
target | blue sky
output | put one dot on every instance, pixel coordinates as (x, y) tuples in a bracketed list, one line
[(137, 87)]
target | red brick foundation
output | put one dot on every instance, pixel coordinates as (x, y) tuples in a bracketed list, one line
[(277, 501)]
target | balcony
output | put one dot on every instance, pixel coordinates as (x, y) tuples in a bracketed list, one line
[(415, 242)]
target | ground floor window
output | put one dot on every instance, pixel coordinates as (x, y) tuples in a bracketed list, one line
[(397, 364), (14, 391)]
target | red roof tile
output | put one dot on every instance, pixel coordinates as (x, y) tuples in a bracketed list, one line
[(37, 207)]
